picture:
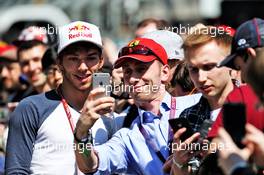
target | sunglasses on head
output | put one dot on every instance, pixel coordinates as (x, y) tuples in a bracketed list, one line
[(138, 49)]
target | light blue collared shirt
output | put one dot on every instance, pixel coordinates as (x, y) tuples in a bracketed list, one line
[(127, 150)]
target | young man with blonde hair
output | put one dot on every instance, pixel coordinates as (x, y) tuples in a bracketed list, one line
[(203, 50)]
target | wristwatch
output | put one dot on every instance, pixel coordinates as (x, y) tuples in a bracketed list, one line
[(85, 140)]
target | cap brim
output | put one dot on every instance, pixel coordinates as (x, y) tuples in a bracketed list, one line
[(17, 43), (64, 47), (4, 60), (228, 61), (143, 58)]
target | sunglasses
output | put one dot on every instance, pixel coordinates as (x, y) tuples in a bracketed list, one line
[(138, 49)]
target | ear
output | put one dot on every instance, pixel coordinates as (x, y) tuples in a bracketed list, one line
[(165, 73), (251, 52), (59, 63), (101, 62)]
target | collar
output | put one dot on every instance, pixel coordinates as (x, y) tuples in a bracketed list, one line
[(164, 106)]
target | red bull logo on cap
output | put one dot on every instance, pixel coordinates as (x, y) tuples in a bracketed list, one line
[(79, 30)]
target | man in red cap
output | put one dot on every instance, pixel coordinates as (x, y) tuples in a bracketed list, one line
[(10, 73), (142, 148), (9, 68)]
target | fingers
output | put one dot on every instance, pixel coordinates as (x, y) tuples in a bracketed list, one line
[(193, 138), (246, 152), (176, 137), (230, 147), (252, 129), (253, 135), (167, 165), (224, 136), (182, 150), (94, 107), (104, 108), (97, 92)]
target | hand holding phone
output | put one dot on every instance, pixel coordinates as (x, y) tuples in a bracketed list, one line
[(178, 123), (102, 80)]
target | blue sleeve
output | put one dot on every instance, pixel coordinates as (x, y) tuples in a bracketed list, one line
[(23, 127), (113, 155)]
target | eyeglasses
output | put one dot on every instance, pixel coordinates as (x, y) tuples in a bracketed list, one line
[(139, 49)]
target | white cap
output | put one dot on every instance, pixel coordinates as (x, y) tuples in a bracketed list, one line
[(79, 31), (170, 41), (32, 33)]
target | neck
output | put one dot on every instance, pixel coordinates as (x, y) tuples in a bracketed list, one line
[(73, 96), (154, 104), (218, 101), (43, 88)]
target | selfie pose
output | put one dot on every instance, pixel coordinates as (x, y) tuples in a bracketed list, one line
[(41, 134), (129, 149)]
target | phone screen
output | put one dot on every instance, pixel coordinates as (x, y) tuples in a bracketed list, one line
[(234, 120)]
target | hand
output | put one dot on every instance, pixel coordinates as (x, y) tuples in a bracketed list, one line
[(229, 154), (255, 137), (167, 165), (92, 110), (181, 150)]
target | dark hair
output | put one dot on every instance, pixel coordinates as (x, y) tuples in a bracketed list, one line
[(181, 77), (76, 46), (25, 45), (49, 58)]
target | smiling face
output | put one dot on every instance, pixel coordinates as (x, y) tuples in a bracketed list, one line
[(78, 62), (9, 75), (145, 80), (208, 79), (31, 66)]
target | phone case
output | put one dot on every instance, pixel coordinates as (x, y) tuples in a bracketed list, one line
[(234, 120), (179, 123), (102, 80)]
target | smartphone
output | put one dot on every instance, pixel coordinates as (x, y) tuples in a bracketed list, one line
[(102, 80), (205, 127), (234, 120), (178, 123)]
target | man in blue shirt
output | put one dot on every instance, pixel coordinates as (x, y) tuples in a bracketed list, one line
[(142, 148)]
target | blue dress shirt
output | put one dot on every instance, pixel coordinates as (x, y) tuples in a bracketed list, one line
[(127, 151)]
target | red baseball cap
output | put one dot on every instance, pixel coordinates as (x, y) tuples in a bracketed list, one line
[(7, 53), (141, 49)]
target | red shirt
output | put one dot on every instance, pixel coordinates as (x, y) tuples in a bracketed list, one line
[(243, 94)]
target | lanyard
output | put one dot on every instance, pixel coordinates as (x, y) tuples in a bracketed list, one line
[(172, 115), (67, 110), (173, 108), (69, 117)]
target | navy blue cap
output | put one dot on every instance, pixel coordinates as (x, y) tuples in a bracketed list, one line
[(250, 34)]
